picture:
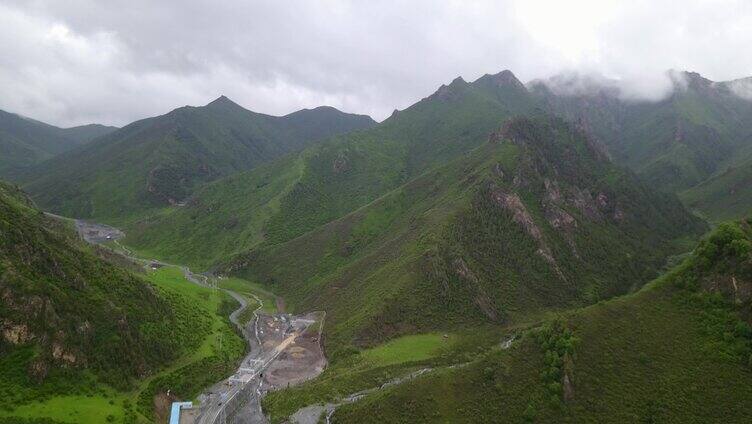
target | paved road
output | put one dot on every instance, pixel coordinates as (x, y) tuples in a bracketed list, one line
[(253, 370)]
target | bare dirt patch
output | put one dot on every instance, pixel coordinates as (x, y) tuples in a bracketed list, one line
[(302, 361), (162, 407)]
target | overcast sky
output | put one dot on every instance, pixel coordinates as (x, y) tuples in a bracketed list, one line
[(79, 61)]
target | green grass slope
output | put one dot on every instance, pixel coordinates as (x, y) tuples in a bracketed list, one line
[(25, 142), (678, 351), (533, 220), (79, 331), (159, 161), (726, 195)]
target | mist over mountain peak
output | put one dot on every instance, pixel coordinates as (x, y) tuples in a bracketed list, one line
[(573, 83), (742, 87)]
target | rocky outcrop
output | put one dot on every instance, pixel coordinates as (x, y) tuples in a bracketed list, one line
[(567, 379), (585, 204), (16, 334), (557, 217), (340, 164), (450, 92), (731, 287), (514, 205), (480, 299)]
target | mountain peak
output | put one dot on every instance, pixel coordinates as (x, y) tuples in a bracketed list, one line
[(448, 92), (223, 101), (505, 78), (458, 81), (689, 79)]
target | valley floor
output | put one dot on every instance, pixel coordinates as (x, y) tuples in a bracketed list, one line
[(283, 349)]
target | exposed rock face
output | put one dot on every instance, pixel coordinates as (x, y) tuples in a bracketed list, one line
[(481, 299), (568, 388), (584, 202), (341, 164), (16, 333), (460, 267), (498, 171), (596, 146), (506, 78), (520, 215), (60, 354), (38, 370), (736, 289), (556, 216), (450, 92)]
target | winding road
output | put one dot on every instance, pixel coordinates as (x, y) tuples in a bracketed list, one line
[(248, 375)]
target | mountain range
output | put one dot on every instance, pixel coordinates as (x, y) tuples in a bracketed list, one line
[(560, 242), (700, 131), (157, 162), (374, 211)]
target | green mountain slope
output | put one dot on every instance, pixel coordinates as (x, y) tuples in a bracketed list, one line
[(533, 220), (159, 161), (725, 195), (677, 351), (64, 310), (25, 142), (674, 143), (285, 199)]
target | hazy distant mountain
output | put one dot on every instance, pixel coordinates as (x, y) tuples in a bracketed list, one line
[(25, 142), (725, 195), (674, 143), (159, 161)]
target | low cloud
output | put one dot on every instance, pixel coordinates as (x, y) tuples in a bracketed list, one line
[(742, 88)]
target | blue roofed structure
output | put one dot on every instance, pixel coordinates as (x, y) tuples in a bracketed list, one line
[(175, 411)]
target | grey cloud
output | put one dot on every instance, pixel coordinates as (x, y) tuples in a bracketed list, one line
[(83, 60)]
